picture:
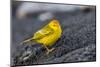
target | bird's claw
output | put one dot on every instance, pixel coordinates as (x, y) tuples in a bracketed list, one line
[(50, 50)]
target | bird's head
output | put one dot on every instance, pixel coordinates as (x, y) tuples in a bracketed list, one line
[(54, 24)]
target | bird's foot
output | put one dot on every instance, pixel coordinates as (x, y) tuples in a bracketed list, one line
[(49, 50)]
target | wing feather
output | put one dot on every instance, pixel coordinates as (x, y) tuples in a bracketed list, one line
[(43, 32)]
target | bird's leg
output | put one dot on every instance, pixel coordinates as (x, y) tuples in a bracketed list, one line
[(48, 50)]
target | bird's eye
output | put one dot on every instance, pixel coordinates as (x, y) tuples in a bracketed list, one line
[(54, 25)]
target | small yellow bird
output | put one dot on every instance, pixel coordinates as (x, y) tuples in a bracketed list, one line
[(47, 36)]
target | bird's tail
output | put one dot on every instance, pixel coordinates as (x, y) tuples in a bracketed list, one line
[(27, 41)]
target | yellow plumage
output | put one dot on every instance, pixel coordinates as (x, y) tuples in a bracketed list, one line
[(47, 36)]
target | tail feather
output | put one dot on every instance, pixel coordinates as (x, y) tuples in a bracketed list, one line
[(27, 41)]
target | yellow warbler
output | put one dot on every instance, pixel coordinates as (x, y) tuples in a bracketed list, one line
[(47, 36)]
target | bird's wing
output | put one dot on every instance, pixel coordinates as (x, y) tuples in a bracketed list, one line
[(42, 33)]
